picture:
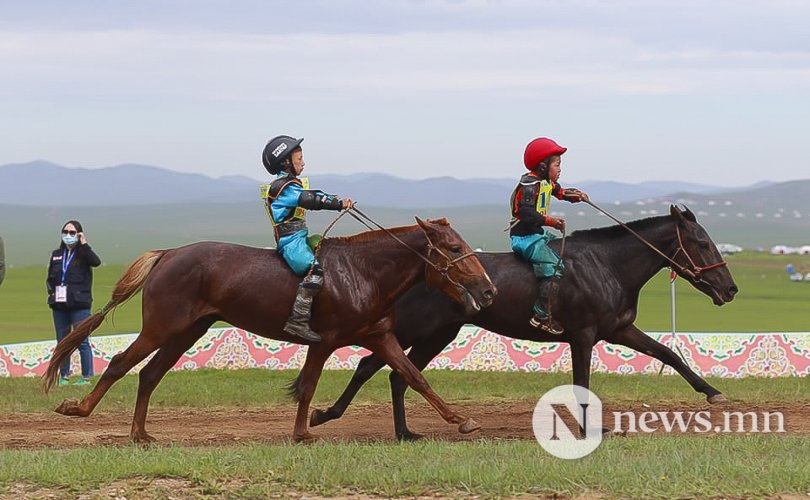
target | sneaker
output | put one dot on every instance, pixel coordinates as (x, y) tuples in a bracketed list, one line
[(63, 381), (82, 381)]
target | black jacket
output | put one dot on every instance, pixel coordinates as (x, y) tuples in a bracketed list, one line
[(78, 278), (526, 219)]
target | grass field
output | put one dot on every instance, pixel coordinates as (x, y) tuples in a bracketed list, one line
[(767, 302), (658, 466), (252, 388)]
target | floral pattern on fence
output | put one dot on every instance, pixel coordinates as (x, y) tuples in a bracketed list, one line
[(710, 354)]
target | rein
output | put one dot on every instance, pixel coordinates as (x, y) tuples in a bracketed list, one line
[(693, 273), (443, 270), (367, 221)]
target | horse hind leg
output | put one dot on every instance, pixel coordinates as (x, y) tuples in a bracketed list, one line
[(120, 364), (153, 373), (636, 339), (366, 369)]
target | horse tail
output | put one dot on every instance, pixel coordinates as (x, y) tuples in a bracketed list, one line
[(128, 286), (295, 388)]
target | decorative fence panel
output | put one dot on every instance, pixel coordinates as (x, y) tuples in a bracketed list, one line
[(714, 354)]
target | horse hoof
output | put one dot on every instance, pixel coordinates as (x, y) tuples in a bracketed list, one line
[(318, 417), (469, 426), (142, 439), (409, 436), (305, 438), (69, 407), (717, 399)]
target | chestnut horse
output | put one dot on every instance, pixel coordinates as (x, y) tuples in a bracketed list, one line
[(187, 289), (605, 269)]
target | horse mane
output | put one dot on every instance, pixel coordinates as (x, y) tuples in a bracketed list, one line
[(367, 236), (600, 234), (375, 234)]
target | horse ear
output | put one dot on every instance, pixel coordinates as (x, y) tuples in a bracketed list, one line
[(423, 224), (677, 214), (682, 216), (688, 214)]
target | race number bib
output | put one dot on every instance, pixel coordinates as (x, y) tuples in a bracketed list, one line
[(61, 294)]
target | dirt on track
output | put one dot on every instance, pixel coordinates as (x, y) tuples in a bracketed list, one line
[(361, 423)]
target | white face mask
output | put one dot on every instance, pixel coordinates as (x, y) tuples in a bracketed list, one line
[(70, 240)]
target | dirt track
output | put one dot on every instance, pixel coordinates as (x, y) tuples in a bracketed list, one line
[(218, 427)]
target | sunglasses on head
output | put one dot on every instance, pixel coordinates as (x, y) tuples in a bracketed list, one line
[(69, 231)]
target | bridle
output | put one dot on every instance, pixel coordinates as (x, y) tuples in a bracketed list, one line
[(694, 272)]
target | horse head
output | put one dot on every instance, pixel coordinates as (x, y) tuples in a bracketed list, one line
[(454, 268), (702, 264)]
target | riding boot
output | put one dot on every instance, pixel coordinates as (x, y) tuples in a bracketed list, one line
[(298, 322), (541, 317)]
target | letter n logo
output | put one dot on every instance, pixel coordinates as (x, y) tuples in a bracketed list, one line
[(567, 421)]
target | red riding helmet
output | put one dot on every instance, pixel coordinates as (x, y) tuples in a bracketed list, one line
[(540, 149)]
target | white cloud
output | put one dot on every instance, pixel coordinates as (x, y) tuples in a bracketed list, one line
[(713, 91)]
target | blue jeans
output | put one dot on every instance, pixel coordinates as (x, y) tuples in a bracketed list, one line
[(64, 320)]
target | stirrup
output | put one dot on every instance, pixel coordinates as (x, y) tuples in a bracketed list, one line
[(547, 324)]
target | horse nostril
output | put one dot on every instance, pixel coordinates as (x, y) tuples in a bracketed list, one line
[(489, 294), (733, 290)]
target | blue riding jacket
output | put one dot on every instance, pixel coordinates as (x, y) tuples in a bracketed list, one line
[(287, 211)]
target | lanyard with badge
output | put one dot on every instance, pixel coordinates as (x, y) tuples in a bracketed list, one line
[(61, 289)]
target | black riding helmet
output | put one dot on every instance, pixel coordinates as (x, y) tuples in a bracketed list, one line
[(277, 150)]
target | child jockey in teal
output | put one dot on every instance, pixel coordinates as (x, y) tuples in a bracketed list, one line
[(287, 199), (530, 201)]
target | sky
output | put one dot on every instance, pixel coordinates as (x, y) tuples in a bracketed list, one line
[(711, 92)]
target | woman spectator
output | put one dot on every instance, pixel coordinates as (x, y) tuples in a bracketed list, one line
[(70, 283)]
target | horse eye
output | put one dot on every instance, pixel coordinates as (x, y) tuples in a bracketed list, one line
[(455, 249), (703, 244)]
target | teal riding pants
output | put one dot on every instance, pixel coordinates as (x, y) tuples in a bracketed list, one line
[(534, 248)]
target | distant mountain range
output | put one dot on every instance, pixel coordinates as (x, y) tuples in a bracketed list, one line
[(129, 209), (41, 183)]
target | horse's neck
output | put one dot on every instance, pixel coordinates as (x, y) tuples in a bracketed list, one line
[(633, 260), (387, 262)]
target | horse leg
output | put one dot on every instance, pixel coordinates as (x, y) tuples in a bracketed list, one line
[(310, 373), (634, 338), (366, 369), (581, 345), (420, 355), (388, 348), (581, 351), (152, 374), (120, 364)]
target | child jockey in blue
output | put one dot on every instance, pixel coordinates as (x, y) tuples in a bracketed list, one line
[(530, 201), (287, 199)]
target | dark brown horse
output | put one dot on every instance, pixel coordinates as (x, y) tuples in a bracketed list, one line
[(187, 289), (605, 269)]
